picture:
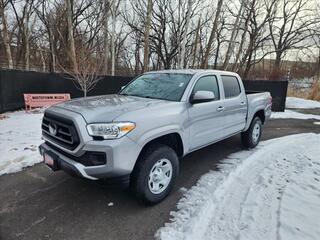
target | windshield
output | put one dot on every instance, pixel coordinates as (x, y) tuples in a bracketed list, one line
[(167, 86)]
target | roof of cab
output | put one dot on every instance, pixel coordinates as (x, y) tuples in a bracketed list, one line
[(194, 71)]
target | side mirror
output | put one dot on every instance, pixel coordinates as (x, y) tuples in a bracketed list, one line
[(202, 96), (122, 87)]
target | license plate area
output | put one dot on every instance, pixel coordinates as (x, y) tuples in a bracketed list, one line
[(51, 160)]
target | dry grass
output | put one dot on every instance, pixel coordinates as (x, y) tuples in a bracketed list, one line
[(313, 93), (298, 93)]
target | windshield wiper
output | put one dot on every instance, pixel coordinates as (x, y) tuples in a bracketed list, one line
[(126, 94), (142, 96), (156, 98)]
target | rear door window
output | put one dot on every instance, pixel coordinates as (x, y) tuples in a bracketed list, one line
[(231, 86)]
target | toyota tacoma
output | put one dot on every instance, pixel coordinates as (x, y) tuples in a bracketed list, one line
[(136, 137)]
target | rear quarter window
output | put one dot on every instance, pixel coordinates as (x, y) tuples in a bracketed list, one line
[(231, 86)]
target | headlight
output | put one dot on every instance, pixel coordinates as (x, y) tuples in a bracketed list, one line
[(110, 130)]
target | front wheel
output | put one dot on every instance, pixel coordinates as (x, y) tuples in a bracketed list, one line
[(252, 136), (154, 174)]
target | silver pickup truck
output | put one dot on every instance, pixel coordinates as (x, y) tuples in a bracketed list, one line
[(137, 136)]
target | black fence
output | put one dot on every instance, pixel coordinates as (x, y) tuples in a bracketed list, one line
[(278, 90), (14, 83)]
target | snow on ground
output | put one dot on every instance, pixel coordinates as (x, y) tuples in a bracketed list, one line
[(20, 136), (271, 192), (293, 102), (294, 115), (298, 103)]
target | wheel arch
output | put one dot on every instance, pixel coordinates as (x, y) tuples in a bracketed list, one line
[(173, 140), (257, 113), (261, 115)]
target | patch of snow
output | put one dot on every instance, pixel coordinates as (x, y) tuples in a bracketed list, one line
[(183, 190), (316, 123), (20, 136), (294, 115), (271, 192), (293, 102)]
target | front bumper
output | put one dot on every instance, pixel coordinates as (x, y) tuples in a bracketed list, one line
[(121, 155), (65, 163)]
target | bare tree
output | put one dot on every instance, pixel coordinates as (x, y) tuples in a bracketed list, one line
[(25, 26), (248, 11), (146, 37), (234, 35), (129, 37), (71, 45), (289, 30), (257, 32), (212, 35), (87, 75), (106, 8), (114, 13), (45, 14), (168, 23), (221, 39), (4, 32), (196, 43), (184, 36)]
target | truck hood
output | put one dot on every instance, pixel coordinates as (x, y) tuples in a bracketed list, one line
[(108, 107)]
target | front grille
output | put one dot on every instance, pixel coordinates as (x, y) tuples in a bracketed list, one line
[(63, 131)]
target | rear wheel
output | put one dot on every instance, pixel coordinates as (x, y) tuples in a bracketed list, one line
[(154, 174), (252, 136)]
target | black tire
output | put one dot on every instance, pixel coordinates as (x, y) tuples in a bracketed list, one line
[(248, 141), (139, 178)]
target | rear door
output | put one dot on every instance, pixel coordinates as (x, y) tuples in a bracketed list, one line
[(206, 119), (235, 105)]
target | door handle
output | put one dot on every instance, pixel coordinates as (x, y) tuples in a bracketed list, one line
[(219, 109), (243, 103)]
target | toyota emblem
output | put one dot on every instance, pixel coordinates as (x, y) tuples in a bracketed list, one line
[(53, 128)]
